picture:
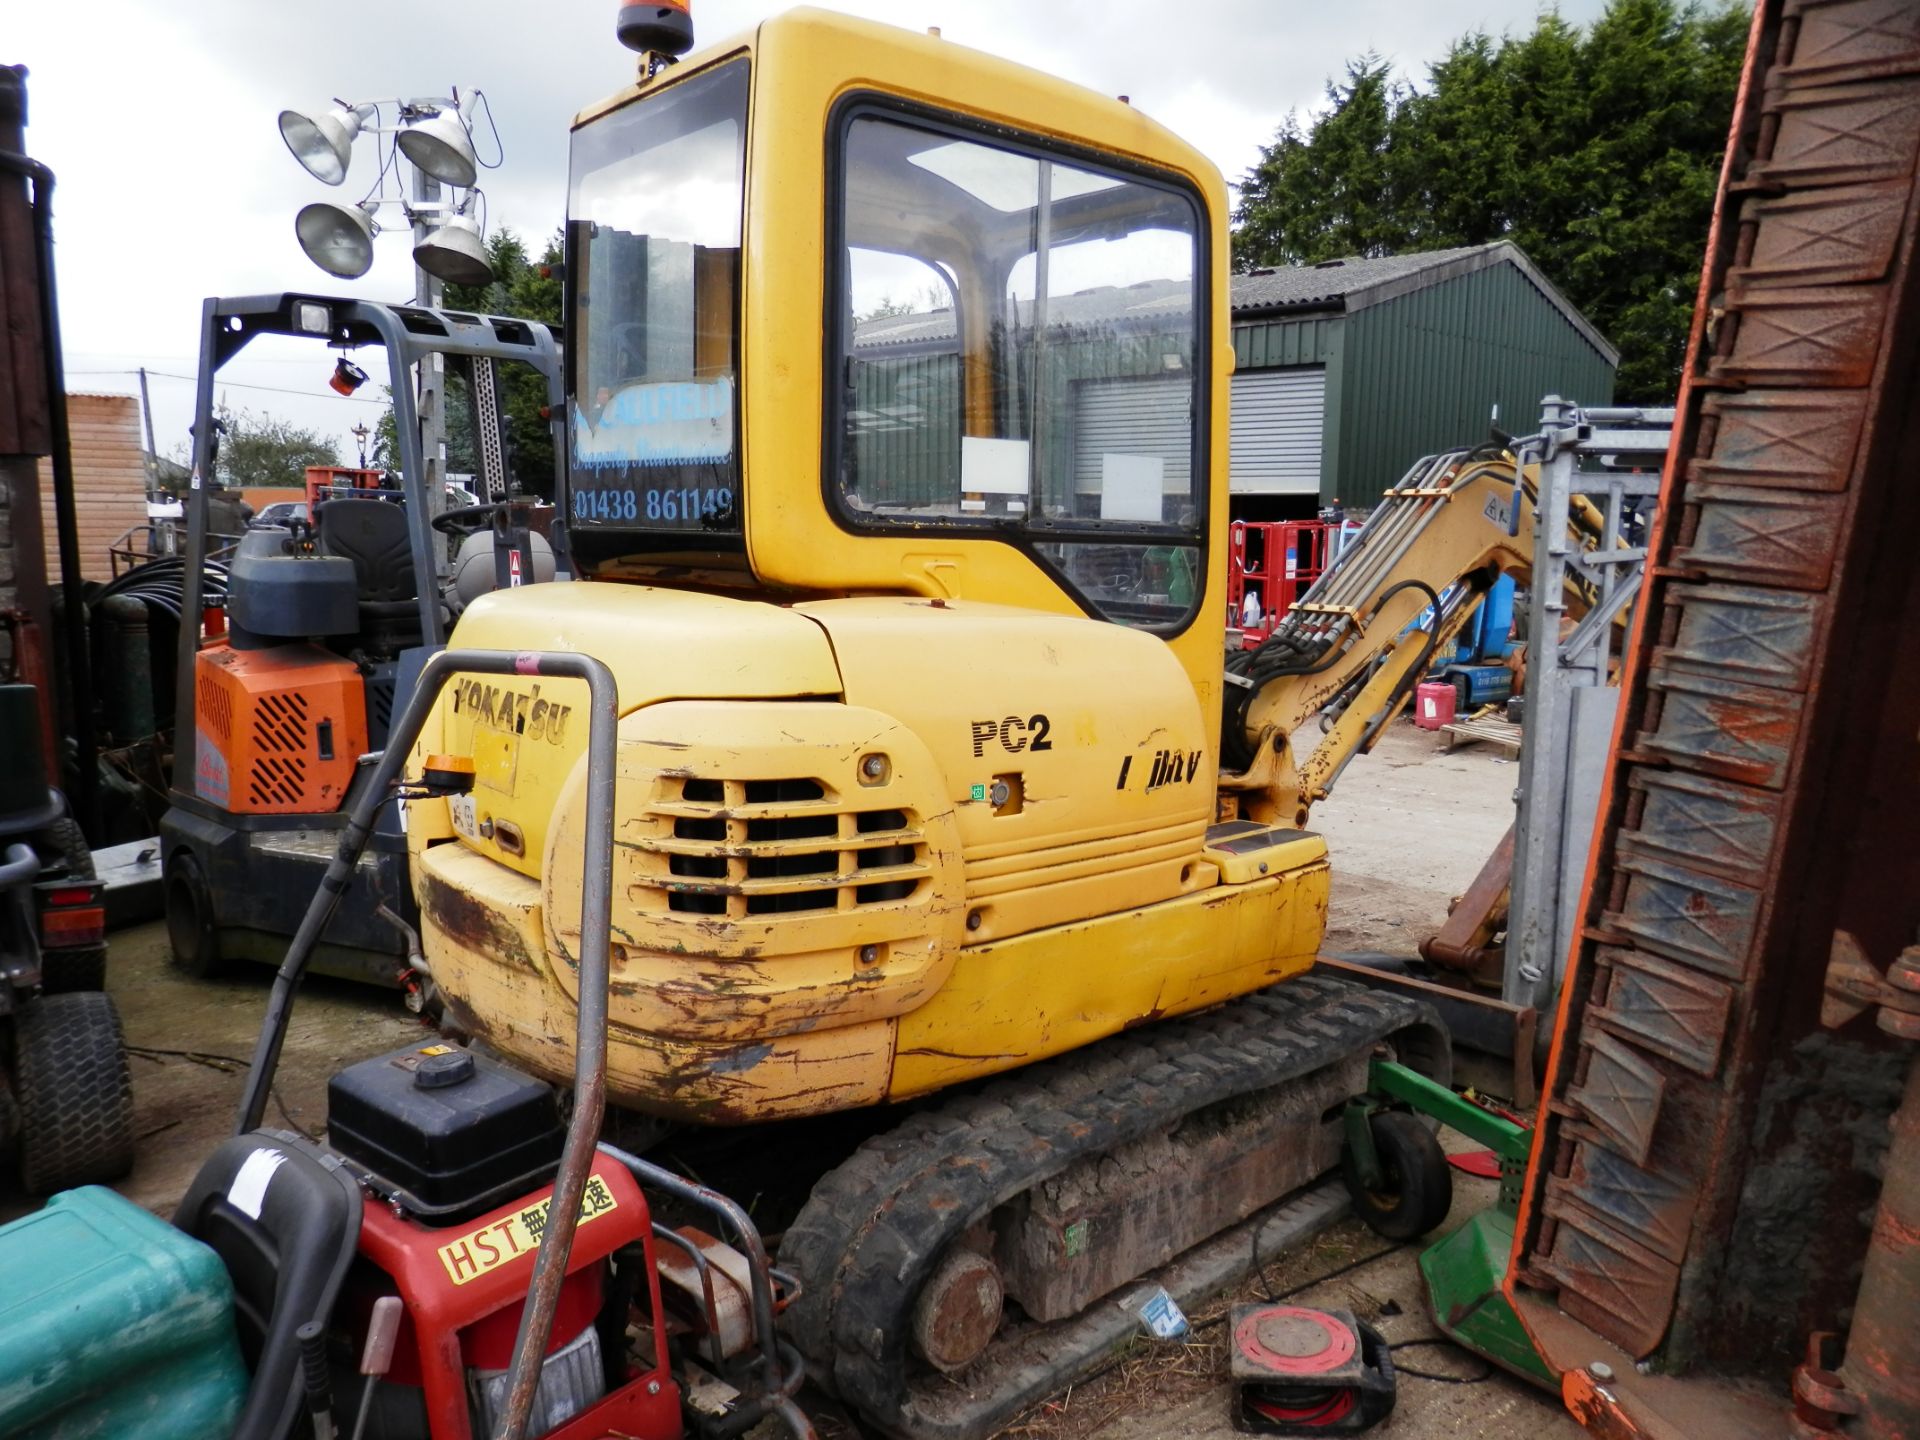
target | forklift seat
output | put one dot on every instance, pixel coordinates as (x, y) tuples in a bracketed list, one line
[(373, 534), (284, 1218)]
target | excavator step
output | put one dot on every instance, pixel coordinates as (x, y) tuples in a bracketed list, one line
[(973, 1185)]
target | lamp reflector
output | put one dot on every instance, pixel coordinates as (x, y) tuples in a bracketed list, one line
[(439, 144), (323, 146), (454, 252), (336, 238)]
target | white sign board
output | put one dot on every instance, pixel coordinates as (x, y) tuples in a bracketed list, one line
[(1132, 487)]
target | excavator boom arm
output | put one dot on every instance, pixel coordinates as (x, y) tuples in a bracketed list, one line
[(1349, 652)]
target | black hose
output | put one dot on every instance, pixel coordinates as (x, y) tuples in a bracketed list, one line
[(1290, 659)]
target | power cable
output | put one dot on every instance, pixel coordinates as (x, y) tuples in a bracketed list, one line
[(234, 384)]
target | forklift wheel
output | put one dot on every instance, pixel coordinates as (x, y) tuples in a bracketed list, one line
[(190, 925), (1418, 1189), (76, 1098)]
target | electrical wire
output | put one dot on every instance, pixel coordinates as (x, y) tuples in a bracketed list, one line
[(480, 99), (234, 384), (1486, 1372), (392, 161)]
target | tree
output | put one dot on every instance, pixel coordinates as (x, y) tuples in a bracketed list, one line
[(1333, 189), (1596, 152), (518, 289), (264, 450)]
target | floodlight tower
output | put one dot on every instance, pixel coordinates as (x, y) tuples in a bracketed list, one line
[(434, 137)]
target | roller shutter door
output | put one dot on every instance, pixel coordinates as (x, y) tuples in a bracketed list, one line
[(1133, 417), (1277, 421)]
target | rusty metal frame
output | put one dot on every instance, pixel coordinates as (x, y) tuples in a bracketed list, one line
[(1707, 1149)]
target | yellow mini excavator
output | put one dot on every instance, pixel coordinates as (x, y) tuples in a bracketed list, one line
[(932, 764)]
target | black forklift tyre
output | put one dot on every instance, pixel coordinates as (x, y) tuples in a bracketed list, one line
[(1418, 1182), (74, 1093), (191, 933), (65, 971), (9, 1119)]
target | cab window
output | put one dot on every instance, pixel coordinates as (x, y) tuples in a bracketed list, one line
[(1017, 345)]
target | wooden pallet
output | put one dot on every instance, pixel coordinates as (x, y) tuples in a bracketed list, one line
[(1498, 732)]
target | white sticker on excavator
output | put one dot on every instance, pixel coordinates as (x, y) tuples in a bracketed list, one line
[(1499, 511), (461, 808)]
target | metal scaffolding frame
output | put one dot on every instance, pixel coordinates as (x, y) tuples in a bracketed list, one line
[(1611, 458)]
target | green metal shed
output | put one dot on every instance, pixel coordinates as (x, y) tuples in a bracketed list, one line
[(1348, 371)]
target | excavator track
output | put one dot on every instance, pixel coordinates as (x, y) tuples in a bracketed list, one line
[(874, 1229)]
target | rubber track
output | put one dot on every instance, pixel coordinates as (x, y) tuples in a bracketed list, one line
[(873, 1228)]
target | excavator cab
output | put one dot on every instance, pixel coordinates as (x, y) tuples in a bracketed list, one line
[(946, 353)]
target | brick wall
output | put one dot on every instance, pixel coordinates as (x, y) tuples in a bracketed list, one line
[(109, 481)]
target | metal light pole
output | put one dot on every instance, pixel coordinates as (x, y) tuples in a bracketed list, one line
[(428, 291)]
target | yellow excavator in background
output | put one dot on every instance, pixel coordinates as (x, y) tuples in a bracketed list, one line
[(932, 763)]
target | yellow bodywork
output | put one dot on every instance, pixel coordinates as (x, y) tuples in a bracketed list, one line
[(844, 897)]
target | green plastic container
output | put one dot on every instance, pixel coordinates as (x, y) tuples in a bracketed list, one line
[(113, 1323)]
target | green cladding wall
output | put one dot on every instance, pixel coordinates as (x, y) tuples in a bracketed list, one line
[(1422, 373)]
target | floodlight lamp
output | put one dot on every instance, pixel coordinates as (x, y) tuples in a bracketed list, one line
[(324, 146), (454, 252), (439, 144), (337, 238)]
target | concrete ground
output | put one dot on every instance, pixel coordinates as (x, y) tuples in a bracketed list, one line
[(1408, 827)]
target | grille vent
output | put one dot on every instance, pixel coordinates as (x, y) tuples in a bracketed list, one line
[(777, 847), (274, 781), (215, 710), (278, 776), (280, 723)]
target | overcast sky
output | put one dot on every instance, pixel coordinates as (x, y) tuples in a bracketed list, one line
[(158, 118)]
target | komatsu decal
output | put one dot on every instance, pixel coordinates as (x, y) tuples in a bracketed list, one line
[(499, 708)]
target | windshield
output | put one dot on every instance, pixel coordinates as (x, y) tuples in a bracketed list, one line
[(653, 241), (1018, 346)]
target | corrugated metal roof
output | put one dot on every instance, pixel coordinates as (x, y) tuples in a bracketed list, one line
[(1148, 299), (1334, 286), (1356, 283), (1333, 280)]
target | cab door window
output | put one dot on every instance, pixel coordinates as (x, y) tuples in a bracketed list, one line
[(1037, 378)]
